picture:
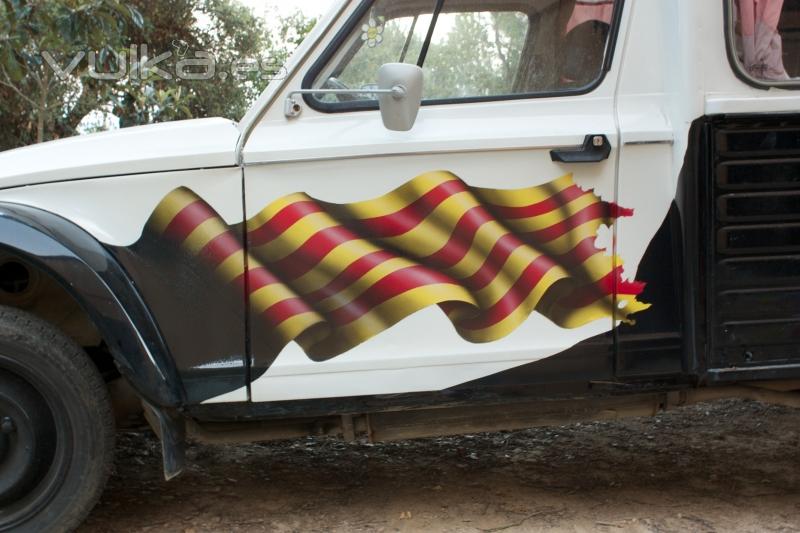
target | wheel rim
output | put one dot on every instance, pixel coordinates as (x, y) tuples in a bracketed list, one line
[(27, 438), (34, 448)]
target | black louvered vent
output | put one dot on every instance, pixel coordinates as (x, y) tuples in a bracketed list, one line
[(755, 204)]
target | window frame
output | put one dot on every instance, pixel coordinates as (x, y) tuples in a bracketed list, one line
[(737, 66), (371, 105)]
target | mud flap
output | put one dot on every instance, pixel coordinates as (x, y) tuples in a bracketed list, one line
[(171, 430)]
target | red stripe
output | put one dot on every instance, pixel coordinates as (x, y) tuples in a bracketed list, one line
[(257, 278), (616, 211), (530, 277), (575, 258), (588, 294), (351, 274), (308, 255), (508, 243), (387, 287), (461, 238), (557, 201), (285, 309), (630, 288), (412, 215), (220, 248), (188, 219), (598, 211), (282, 221), (389, 225), (494, 263)]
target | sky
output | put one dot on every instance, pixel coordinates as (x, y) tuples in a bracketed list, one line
[(312, 8)]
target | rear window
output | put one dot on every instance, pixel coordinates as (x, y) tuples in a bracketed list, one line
[(764, 41)]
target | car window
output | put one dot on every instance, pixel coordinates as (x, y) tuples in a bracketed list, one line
[(764, 37), (470, 49)]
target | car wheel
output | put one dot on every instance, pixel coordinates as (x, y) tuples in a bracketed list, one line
[(56, 427)]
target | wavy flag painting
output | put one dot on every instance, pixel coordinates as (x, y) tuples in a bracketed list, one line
[(330, 276)]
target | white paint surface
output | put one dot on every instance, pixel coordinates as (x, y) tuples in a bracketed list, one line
[(186, 144)]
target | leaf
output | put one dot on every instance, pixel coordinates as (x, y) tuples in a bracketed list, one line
[(108, 22), (23, 12), (67, 28), (12, 66)]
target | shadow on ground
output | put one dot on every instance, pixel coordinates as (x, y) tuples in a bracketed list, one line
[(725, 466)]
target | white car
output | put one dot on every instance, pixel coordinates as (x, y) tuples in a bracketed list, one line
[(607, 223)]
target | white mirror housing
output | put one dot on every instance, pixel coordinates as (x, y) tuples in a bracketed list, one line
[(400, 104)]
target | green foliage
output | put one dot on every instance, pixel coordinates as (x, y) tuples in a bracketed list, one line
[(227, 29), (36, 104), (362, 70), (292, 29), (479, 56), (471, 53)]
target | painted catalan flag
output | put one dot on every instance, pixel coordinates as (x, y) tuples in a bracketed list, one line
[(330, 276)]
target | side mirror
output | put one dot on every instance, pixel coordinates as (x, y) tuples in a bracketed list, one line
[(399, 94), (401, 98)]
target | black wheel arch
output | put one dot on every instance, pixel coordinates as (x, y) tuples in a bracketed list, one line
[(102, 287)]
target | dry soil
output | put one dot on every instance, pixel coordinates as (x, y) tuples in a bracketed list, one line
[(724, 466)]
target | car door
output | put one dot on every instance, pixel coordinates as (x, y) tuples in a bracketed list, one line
[(385, 262)]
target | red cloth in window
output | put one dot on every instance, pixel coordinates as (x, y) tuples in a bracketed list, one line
[(761, 48), (588, 10)]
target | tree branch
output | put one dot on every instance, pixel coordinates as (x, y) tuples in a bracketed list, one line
[(16, 90), (499, 47)]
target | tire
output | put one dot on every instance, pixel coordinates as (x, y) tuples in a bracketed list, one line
[(56, 427)]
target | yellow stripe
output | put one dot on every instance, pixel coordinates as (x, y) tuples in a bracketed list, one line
[(264, 216), (343, 255), (569, 240), (546, 220), (333, 264), (571, 317), (594, 268), (295, 236), (435, 229), (397, 199), (384, 205), (515, 318), (633, 306), (360, 286), (296, 325), (510, 273), (232, 267), (169, 207), (200, 236), (523, 197), (269, 295), (426, 239), (388, 313)]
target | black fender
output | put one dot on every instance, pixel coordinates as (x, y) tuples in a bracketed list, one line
[(102, 287)]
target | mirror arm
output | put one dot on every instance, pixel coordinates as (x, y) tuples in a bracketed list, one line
[(292, 107)]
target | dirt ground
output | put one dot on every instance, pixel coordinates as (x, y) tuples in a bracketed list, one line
[(724, 466)]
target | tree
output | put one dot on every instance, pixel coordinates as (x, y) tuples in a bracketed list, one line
[(478, 56), (470, 54), (38, 104), (230, 32)]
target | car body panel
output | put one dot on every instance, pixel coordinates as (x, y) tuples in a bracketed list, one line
[(187, 144)]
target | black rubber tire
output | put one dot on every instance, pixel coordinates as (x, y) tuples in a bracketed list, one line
[(71, 387)]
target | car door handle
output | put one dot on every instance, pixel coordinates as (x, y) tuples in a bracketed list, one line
[(595, 148)]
